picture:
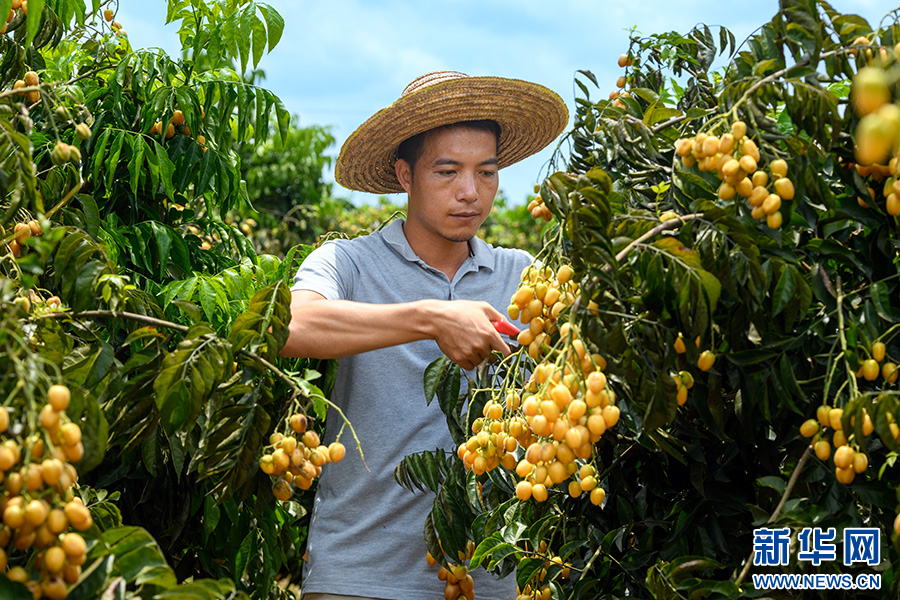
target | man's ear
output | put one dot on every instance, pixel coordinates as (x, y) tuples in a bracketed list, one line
[(404, 174)]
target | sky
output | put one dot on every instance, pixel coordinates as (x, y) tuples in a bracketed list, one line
[(340, 61)]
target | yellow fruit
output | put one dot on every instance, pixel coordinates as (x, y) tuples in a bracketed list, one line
[(774, 220), (779, 167), (878, 351), (834, 419), (523, 490), (822, 415), (336, 451), (73, 544), (539, 492), (738, 129), (784, 187), (870, 369), (706, 361), (108, 14), (809, 428), (281, 489), (843, 457), (870, 90), (822, 449), (845, 476), (889, 372), (679, 345), (860, 462), (893, 205), (771, 204), (896, 525), (598, 494), (58, 396), (55, 559)]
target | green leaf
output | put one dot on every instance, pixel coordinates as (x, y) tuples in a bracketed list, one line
[(274, 24), (784, 291), (35, 13)]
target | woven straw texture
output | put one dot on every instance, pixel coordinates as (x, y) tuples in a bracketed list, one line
[(530, 117)]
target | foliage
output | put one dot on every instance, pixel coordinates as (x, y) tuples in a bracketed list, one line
[(133, 290), (671, 263)]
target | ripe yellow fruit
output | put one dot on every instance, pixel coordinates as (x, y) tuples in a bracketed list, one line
[(822, 449), (834, 419), (73, 544), (706, 361), (523, 490), (539, 492), (679, 345), (336, 451), (822, 415), (809, 428), (778, 167), (843, 457), (55, 559), (870, 369), (889, 372), (845, 476), (58, 396), (870, 90), (738, 129), (774, 220), (860, 462), (784, 187), (878, 350), (598, 494)]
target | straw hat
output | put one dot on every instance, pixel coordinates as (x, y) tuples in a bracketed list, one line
[(530, 117)]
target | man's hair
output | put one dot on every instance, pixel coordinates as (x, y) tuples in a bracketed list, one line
[(411, 149)]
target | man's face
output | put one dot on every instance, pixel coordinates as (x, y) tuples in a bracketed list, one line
[(452, 189)]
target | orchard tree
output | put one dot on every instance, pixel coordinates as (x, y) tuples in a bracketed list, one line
[(710, 331), (147, 424)]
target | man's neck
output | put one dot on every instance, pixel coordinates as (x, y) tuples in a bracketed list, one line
[(442, 254)]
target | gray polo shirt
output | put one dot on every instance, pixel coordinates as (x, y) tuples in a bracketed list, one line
[(363, 521)]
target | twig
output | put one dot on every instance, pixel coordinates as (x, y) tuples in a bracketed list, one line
[(777, 512), (671, 224)]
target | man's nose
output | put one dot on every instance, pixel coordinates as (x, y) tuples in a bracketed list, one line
[(468, 190)]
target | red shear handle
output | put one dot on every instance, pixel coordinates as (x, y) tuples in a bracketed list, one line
[(505, 327)]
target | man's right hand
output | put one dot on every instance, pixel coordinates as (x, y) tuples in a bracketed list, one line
[(464, 331)]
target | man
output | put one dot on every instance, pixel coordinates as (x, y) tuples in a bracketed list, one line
[(388, 304)]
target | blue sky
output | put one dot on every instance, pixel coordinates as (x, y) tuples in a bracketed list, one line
[(342, 60)]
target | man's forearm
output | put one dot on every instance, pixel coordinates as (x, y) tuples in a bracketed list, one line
[(338, 328)]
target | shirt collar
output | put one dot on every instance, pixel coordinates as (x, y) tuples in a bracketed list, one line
[(480, 252)]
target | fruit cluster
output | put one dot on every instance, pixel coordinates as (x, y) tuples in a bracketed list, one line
[(539, 209), (566, 410), (538, 301), (177, 124), (684, 380), (870, 368), (294, 462), (735, 159), (848, 461), (616, 95), (459, 584), (38, 505), (30, 79), (539, 588), (23, 231)]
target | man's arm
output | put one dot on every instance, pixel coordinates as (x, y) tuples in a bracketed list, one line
[(322, 328)]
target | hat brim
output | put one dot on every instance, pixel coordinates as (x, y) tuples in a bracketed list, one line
[(530, 117)]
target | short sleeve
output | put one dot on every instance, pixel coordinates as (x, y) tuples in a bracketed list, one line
[(328, 270)]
